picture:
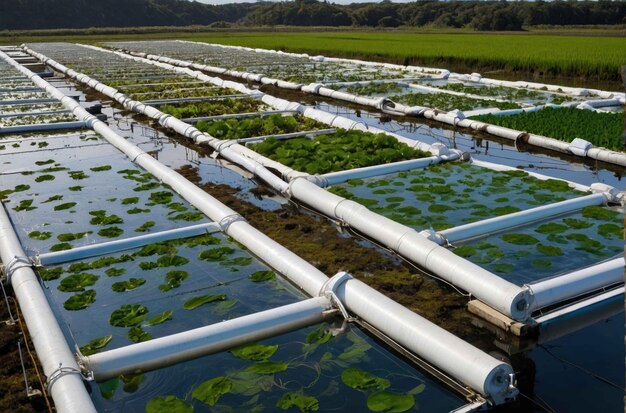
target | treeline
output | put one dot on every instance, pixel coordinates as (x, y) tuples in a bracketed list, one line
[(478, 15)]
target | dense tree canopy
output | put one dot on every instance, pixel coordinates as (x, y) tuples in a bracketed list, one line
[(479, 15)]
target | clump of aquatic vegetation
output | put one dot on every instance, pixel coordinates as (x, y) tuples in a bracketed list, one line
[(504, 92), (259, 126), (602, 129), (375, 89), (183, 93), (193, 110), (336, 152), (446, 102)]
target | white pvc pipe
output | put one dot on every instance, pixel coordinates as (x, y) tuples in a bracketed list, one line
[(491, 225), (41, 127), (110, 247), (66, 383), (335, 178), (492, 378), (573, 284), (500, 294), (188, 345)]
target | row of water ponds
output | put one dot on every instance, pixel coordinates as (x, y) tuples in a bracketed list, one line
[(69, 189)]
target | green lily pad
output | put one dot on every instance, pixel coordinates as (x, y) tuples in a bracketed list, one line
[(77, 282), (303, 403), (137, 335), (388, 402), (173, 279), (549, 250), (66, 205), (156, 248), (101, 168), (43, 178), (206, 239), (25, 205), (78, 175), (46, 162), (96, 344), (80, 300), (148, 265), (115, 272), (21, 188), (146, 187), (171, 261), (128, 285), (188, 217), (267, 367), (69, 236), (161, 197), (599, 213), (101, 218), (161, 318), (360, 379), (210, 391), (108, 388), (111, 232), (216, 254), (50, 274), (260, 276), (203, 299), (134, 211), (130, 200), (168, 404), (39, 235), (128, 315), (520, 239), (254, 351), (611, 231), (62, 246), (145, 226), (75, 188), (79, 266), (541, 264), (576, 223), (132, 381), (502, 267), (465, 251), (551, 228)]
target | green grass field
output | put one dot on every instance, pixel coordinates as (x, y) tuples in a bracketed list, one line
[(555, 55), (575, 53)]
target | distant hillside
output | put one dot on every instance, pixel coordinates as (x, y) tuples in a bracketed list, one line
[(479, 15)]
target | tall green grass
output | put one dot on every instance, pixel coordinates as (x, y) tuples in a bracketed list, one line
[(589, 56)]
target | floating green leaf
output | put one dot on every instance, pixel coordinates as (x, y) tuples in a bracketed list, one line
[(161, 318), (94, 345), (303, 403), (502, 267), (576, 223), (254, 351), (599, 213), (172, 261), (551, 228), (61, 247), (69, 236), (216, 254), (146, 187), (134, 211), (203, 299), (611, 231), (173, 279), (131, 200), (541, 264), (108, 388), (360, 379), (161, 197), (78, 175), (148, 265), (137, 335), (188, 216), (267, 367), (21, 188), (388, 402), (77, 282), (110, 232), (50, 274), (145, 226), (260, 276), (101, 168), (39, 235), (128, 315), (25, 205), (41, 163), (520, 239), (128, 285), (115, 272), (206, 239), (168, 404), (132, 381), (159, 248), (210, 391), (45, 177), (465, 251), (549, 250), (75, 188), (80, 300)]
